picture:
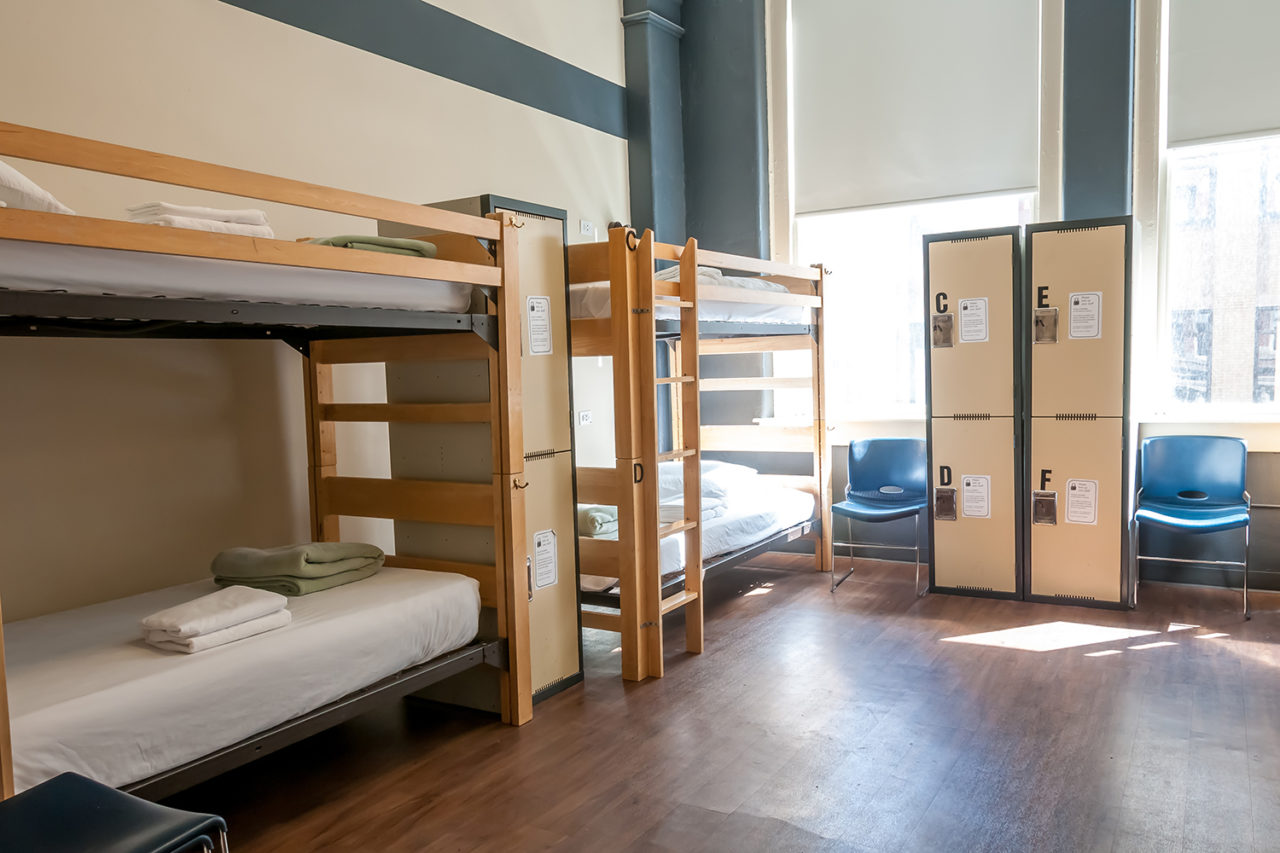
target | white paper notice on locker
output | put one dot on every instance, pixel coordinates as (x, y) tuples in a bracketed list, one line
[(973, 320), (1086, 316), (975, 496), (1082, 501)]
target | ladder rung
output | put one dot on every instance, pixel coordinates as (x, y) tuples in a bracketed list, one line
[(675, 527), (673, 380), (680, 599), (676, 454)]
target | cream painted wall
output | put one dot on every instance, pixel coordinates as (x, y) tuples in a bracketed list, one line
[(128, 465)]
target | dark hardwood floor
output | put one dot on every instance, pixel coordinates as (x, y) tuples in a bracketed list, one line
[(821, 722)]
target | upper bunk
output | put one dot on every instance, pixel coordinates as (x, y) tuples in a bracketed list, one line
[(68, 275), (738, 296)]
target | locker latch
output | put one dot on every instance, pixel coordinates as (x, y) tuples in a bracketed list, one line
[(942, 327), (1046, 326), (944, 504), (1044, 507)]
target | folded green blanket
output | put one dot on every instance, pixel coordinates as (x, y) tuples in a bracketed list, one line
[(309, 560), (594, 520), (389, 245), (291, 585)]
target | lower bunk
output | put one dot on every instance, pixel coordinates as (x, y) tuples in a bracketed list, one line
[(88, 695), (752, 518)]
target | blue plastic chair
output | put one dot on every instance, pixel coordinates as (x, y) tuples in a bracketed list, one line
[(1193, 484), (72, 814), (887, 481)]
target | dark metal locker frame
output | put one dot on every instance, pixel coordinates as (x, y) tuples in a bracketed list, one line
[(1021, 458), (1128, 570)]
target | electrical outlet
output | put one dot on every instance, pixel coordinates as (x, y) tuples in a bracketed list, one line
[(586, 228), (584, 417)]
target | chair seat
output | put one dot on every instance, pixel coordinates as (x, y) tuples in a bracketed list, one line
[(72, 814), (1179, 515), (864, 510)]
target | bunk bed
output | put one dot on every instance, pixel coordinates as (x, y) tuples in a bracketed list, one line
[(84, 693), (628, 300)]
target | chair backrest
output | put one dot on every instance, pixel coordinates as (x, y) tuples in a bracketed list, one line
[(1212, 464), (895, 462)]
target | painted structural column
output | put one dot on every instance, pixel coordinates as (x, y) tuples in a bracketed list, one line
[(651, 37), (726, 125), (1097, 108)]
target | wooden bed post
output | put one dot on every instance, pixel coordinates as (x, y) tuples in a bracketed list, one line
[(508, 406), (6, 736), (822, 547), (689, 421), (649, 589), (322, 447)]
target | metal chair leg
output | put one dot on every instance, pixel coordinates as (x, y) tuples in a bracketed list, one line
[(916, 542), (1247, 614), (1134, 564)]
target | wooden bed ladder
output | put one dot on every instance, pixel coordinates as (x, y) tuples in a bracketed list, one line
[(654, 295)]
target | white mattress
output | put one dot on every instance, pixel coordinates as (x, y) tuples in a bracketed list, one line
[(86, 694), (89, 271), (591, 301), (751, 515)]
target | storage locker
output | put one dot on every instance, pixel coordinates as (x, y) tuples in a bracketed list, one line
[(1078, 294), (1077, 537), (550, 499), (975, 495), (971, 338), (973, 401)]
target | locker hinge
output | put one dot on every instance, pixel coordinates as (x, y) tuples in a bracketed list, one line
[(539, 454), (972, 416), (1075, 416)]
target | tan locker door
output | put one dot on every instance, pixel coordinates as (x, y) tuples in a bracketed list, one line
[(553, 611), (970, 376), (1080, 374), (1074, 558), (545, 377), (977, 553)]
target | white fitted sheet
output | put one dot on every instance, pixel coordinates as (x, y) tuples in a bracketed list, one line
[(591, 301), (89, 271), (752, 514), (86, 694)]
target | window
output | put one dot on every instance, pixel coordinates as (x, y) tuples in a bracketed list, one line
[(874, 295), (1222, 255)]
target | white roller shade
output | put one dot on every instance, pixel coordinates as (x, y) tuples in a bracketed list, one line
[(913, 99), (1224, 68)]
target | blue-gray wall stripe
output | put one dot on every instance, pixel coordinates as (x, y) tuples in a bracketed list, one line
[(1097, 108), (430, 39)]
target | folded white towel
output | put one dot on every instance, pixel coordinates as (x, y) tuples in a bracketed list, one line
[(162, 640), (213, 612), (214, 214), (205, 225), (669, 513)]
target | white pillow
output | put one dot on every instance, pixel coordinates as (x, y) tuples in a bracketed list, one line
[(718, 479), (17, 190)]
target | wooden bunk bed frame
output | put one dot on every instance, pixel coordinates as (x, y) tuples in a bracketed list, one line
[(630, 336), (471, 250)]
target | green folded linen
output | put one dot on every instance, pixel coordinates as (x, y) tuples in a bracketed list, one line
[(292, 585), (594, 520), (308, 560), (387, 245)]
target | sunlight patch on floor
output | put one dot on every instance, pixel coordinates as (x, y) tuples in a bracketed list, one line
[(1157, 645), (1213, 636), (1103, 653), (1179, 626), (1050, 636)]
